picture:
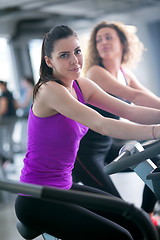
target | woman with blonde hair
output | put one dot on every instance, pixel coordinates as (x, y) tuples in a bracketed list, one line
[(113, 49)]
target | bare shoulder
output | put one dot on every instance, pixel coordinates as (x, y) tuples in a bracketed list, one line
[(51, 88), (130, 76), (85, 81), (50, 92), (48, 97), (87, 86), (96, 72), (94, 69), (82, 81)]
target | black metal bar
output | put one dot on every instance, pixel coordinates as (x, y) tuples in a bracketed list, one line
[(129, 161), (17, 187)]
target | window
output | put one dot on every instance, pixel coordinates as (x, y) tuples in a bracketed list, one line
[(6, 72), (35, 55)]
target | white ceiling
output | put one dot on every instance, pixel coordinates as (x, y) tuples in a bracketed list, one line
[(26, 15), (18, 10)]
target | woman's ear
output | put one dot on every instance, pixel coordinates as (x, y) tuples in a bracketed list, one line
[(48, 62)]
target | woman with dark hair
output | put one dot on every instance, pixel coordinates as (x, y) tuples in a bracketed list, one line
[(58, 119), (113, 49), (7, 123), (7, 101)]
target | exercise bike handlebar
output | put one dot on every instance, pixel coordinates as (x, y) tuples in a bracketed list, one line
[(132, 154), (51, 193)]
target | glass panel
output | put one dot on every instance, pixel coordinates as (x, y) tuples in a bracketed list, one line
[(6, 70), (35, 55)]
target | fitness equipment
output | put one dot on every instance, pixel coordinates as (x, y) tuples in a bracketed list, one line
[(30, 233), (90, 200), (136, 157)]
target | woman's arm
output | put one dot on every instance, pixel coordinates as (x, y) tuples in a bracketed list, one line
[(99, 98), (133, 92), (57, 98)]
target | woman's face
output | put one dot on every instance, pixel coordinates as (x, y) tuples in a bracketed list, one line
[(108, 44), (66, 59), (2, 87)]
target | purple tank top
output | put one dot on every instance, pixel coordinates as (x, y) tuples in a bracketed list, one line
[(52, 147)]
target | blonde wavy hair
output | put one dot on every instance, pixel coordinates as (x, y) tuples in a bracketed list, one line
[(133, 47)]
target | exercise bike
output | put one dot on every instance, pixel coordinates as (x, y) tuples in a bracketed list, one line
[(130, 156), (136, 157)]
